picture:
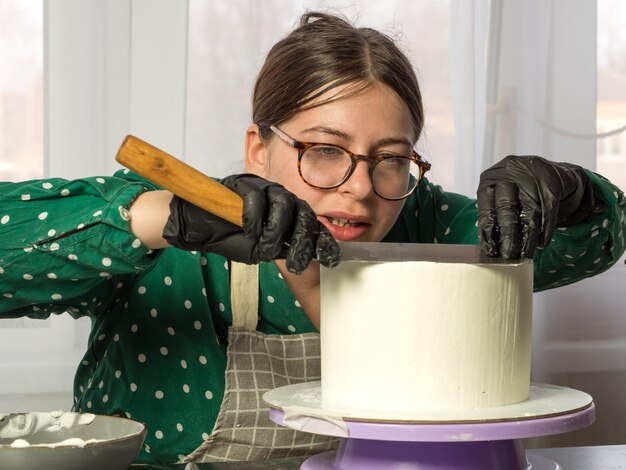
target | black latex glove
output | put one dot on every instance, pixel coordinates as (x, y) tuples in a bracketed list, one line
[(272, 216), (522, 199)]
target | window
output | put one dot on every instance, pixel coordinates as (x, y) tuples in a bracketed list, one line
[(38, 357), (611, 107), (21, 90)]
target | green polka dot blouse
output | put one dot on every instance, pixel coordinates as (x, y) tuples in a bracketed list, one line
[(157, 349)]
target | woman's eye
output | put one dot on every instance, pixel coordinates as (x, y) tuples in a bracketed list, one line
[(392, 160), (327, 151)]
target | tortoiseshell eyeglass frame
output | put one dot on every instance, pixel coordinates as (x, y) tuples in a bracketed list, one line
[(302, 147)]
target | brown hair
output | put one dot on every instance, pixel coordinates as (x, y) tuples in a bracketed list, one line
[(323, 53)]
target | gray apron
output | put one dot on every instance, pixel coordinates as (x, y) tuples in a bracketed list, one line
[(255, 364)]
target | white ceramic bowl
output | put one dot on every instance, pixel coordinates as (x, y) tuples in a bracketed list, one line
[(68, 441)]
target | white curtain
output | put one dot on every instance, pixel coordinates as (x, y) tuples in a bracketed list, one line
[(524, 82), (113, 67), (469, 28)]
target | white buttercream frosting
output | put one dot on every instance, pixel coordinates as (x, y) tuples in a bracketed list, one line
[(22, 426), (422, 335), (20, 443)]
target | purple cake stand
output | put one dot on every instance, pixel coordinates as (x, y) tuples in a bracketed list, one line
[(443, 446)]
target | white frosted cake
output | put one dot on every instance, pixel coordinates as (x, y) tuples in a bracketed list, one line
[(443, 329)]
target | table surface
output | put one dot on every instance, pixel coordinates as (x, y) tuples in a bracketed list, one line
[(570, 458)]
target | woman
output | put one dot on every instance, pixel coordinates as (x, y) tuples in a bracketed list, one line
[(162, 349)]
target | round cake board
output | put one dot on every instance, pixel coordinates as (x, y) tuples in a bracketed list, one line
[(544, 400)]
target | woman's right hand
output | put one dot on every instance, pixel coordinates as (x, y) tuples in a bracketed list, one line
[(276, 224)]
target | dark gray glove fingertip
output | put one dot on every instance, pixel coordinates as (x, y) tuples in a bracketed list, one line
[(327, 249)]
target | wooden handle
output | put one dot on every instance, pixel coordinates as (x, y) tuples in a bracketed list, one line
[(181, 179)]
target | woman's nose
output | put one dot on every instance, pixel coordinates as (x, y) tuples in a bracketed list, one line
[(359, 185)]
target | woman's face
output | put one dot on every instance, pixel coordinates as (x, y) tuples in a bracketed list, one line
[(368, 123)]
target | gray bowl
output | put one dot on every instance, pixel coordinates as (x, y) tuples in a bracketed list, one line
[(68, 441)]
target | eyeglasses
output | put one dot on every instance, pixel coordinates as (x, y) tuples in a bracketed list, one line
[(327, 166)]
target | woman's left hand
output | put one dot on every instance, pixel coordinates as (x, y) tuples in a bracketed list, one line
[(522, 199)]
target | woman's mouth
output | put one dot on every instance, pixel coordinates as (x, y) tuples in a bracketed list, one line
[(343, 222), (345, 228)]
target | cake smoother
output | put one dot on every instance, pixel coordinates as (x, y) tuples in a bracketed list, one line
[(436, 252), (424, 327)]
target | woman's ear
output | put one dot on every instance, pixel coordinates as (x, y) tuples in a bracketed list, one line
[(256, 152)]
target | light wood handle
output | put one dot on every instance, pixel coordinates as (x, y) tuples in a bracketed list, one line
[(181, 179)]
